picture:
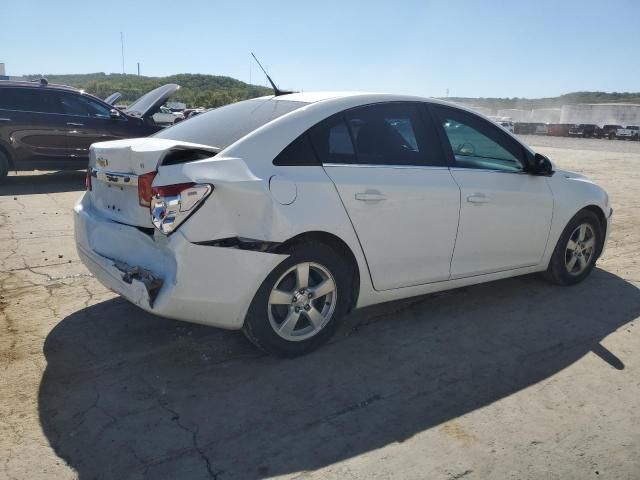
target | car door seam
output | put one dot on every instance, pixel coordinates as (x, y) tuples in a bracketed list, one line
[(346, 211), (455, 243)]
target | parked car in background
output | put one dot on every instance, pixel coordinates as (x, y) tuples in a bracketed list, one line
[(50, 127), (631, 132), (508, 126), (278, 215), (585, 130), (165, 116), (608, 131), (559, 129), (192, 112), (524, 128), (542, 129)]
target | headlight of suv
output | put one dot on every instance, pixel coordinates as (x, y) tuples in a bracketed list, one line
[(171, 205)]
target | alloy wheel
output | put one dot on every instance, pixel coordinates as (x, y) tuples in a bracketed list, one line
[(302, 301), (580, 249)]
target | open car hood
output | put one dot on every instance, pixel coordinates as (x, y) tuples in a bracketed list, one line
[(113, 98), (150, 102)]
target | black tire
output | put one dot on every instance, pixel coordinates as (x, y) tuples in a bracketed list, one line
[(557, 272), (257, 325), (4, 165)]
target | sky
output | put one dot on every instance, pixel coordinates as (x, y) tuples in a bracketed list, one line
[(481, 48)]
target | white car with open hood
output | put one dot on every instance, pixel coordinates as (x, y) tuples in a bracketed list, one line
[(278, 215)]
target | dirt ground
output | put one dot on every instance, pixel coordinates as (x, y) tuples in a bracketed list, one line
[(513, 379)]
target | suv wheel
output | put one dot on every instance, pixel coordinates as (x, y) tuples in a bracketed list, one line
[(299, 305), (4, 165)]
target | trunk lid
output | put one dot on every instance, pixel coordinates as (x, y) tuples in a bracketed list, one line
[(116, 167)]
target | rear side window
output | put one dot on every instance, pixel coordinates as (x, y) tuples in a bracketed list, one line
[(332, 142), (225, 125), (393, 134), (298, 152), (29, 100)]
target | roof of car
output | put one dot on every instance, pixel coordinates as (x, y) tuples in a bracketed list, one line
[(37, 84), (366, 97)]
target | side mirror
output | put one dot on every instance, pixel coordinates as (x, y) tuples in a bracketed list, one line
[(114, 114), (541, 165)]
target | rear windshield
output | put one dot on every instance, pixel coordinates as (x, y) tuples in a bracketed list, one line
[(223, 126)]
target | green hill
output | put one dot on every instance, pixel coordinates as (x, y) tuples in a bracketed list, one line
[(197, 90), (552, 102)]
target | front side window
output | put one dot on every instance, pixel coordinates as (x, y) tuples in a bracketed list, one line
[(83, 106), (477, 144)]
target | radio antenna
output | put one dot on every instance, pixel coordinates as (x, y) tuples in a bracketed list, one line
[(276, 91)]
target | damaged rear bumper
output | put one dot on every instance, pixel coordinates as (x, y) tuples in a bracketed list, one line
[(169, 276)]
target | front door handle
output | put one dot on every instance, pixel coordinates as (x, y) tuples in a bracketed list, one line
[(477, 198), (5, 119), (71, 124), (370, 196)]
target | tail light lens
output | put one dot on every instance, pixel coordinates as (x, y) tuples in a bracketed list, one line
[(87, 178), (144, 188), (172, 204)]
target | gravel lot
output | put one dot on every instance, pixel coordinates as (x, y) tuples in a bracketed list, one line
[(513, 379)]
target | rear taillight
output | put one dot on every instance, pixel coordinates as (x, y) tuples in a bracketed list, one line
[(144, 188), (172, 204), (87, 178)]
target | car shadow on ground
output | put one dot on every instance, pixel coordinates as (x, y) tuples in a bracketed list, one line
[(129, 395), (43, 182)]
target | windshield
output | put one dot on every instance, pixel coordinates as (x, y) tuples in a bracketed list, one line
[(223, 126)]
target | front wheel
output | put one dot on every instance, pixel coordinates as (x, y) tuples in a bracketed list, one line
[(300, 303), (577, 250)]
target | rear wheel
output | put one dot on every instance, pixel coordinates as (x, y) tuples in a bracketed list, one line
[(577, 250), (4, 165), (299, 305)]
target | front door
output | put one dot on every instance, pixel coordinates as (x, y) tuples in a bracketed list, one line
[(89, 122), (505, 213), (387, 165)]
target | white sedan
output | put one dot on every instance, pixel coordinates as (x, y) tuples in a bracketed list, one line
[(278, 215)]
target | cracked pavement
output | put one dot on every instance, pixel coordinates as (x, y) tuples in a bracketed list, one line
[(512, 379)]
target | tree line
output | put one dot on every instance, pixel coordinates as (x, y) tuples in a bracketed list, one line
[(196, 90)]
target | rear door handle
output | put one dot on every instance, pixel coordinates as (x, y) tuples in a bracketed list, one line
[(5, 119), (370, 196), (477, 198), (71, 124)]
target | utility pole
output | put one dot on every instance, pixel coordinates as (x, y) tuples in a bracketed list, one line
[(138, 68), (122, 50)]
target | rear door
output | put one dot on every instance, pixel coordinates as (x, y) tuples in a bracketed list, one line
[(505, 213), (31, 125), (387, 165)]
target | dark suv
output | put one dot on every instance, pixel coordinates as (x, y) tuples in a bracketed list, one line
[(608, 131), (50, 127), (586, 130)]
